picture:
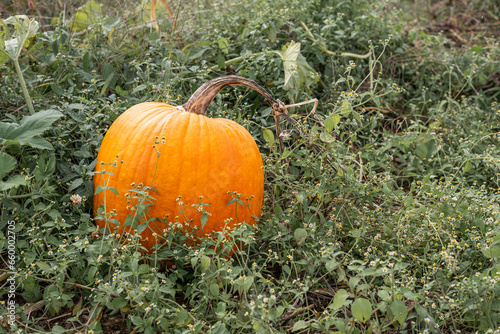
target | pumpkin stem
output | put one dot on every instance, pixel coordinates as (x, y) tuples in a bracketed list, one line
[(198, 103)]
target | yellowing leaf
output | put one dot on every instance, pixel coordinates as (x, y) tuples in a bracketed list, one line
[(86, 15)]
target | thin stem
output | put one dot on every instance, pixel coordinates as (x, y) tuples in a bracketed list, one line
[(75, 284), (23, 86)]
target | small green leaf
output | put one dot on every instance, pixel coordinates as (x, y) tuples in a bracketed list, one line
[(399, 311), (492, 251), (346, 108), (361, 309), (269, 136), (467, 166), (329, 124), (205, 262), (223, 45), (86, 61), (57, 89), (214, 290), (44, 266), (300, 236), (91, 274), (221, 61), (203, 219), (139, 88), (421, 151), (100, 189), (326, 137), (339, 299), (119, 302), (331, 265), (13, 182), (476, 48), (301, 324)]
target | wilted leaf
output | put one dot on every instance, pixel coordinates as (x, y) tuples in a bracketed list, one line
[(24, 29)]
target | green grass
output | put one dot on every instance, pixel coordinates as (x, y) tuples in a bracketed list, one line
[(381, 214)]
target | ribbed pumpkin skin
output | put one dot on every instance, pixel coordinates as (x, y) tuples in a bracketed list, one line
[(201, 156)]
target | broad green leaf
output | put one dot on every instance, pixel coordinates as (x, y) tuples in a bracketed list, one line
[(141, 227), (301, 324), (279, 311), (298, 73), (336, 119), (339, 299), (269, 136), (29, 127), (13, 182), (7, 163), (362, 309), (399, 311), (38, 142), (248, 283), (86, 61), (223, 45), (58, 330)]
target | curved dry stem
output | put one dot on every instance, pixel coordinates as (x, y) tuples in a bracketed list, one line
[(198, 103)]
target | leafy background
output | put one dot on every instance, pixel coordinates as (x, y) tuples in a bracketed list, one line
[(380, 215)]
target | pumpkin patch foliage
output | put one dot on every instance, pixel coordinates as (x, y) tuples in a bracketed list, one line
[(249, 167)]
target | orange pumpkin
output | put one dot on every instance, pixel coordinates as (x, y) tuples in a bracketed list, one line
[(199, 156)]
